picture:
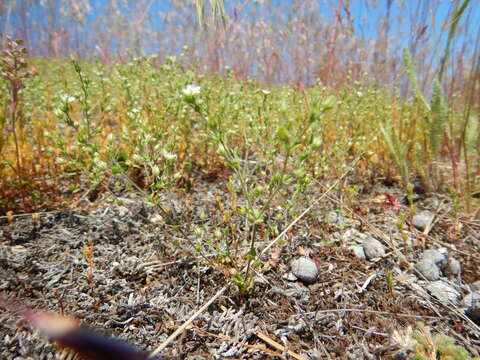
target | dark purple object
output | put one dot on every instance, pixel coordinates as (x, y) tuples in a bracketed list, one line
[(92, 346)]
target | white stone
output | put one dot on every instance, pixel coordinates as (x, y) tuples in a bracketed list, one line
[(353, 235), (289, 277), (305, 270)]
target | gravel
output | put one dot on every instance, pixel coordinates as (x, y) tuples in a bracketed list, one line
[(145, 279)]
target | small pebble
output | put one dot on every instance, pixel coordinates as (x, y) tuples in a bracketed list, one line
[(289, 277), (453, 267), (373, 248), (352, 235), (443, 292), (358, 251), (422, 220), (428, 269), (436, 257), (305, 270)]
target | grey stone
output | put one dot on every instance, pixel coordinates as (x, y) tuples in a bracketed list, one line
[(422, 220), (435, 256), (339, 221), (373, 248), (305, 270), (428, 269), (443, 292), (453, 267)]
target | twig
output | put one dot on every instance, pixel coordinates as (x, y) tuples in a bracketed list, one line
[(368, 331), (30, 214), (228, 338), (278, 346), (367, 282), (372, 312)]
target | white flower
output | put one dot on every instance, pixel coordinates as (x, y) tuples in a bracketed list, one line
[(155, 170), (191, 90), (266, 92), (101, 165), (169, 156), (137, 158), (67, 98)]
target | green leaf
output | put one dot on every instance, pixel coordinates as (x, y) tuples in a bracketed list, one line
[(252, 254), (328, 103), (239, 279), (282, 134)]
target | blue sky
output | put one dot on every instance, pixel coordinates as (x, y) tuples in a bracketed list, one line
[(365, 17)]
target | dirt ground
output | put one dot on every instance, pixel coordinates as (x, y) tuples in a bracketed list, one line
[(142, 279)]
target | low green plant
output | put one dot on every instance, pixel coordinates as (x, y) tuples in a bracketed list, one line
[(438, 346), (84, 155), (423, 345), (282, 139), (398, 148)]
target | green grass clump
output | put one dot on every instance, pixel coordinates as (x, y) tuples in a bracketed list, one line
[(421, 344), (138, 118), (437, 346)]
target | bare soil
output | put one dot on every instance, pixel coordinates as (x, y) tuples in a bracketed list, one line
[(146, 280)]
